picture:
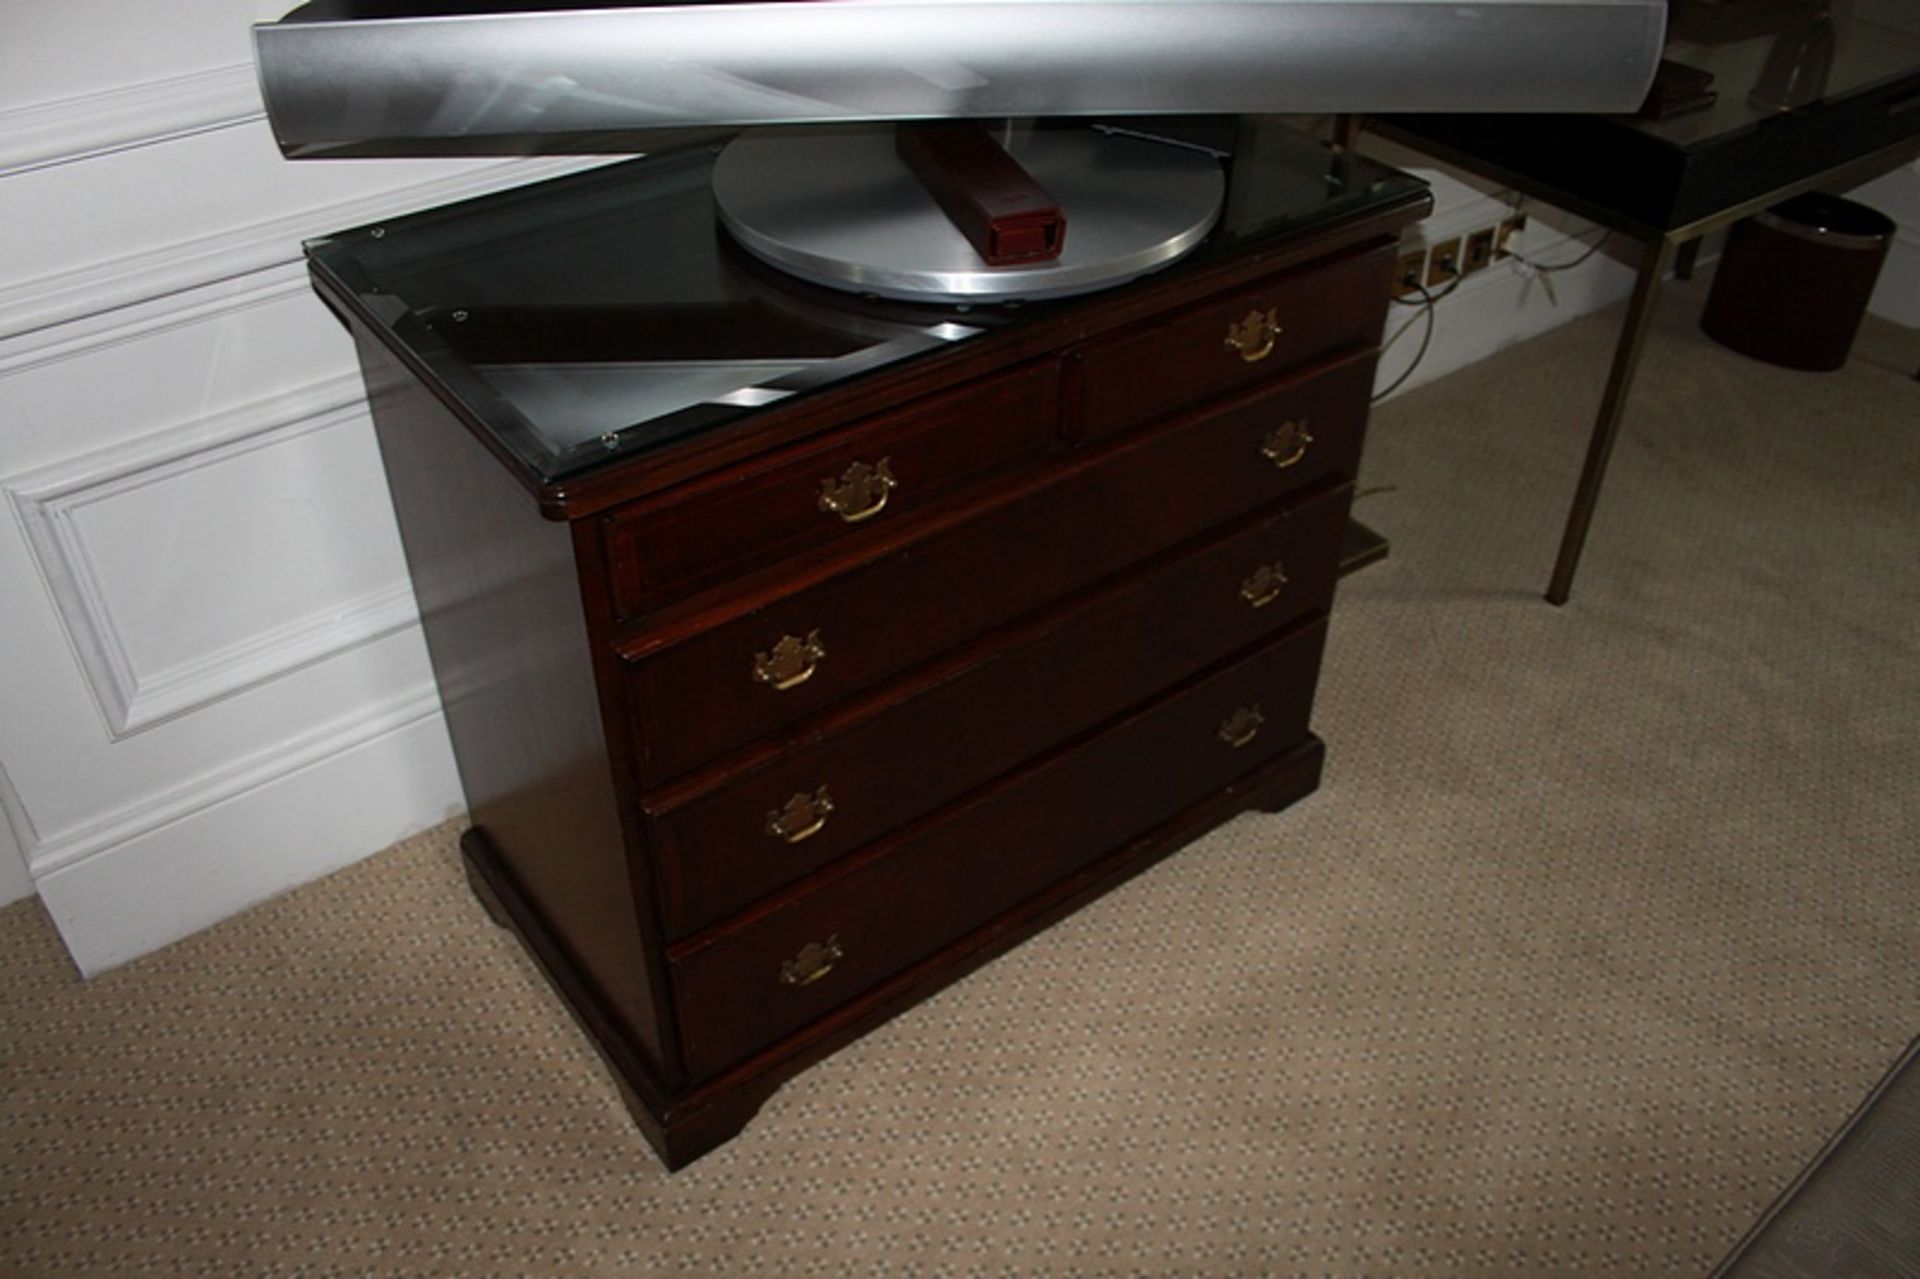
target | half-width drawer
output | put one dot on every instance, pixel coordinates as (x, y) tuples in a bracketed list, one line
[(1226, 343), (741, 989), (725, 684), (724, 843), (866, 478)]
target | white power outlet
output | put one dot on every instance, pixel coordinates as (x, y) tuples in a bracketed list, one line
[(1510, 237)]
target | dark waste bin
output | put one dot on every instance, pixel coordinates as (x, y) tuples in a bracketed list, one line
[(1794, 281)]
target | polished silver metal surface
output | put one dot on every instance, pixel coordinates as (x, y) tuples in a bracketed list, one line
[(526, 79), (837, 207)]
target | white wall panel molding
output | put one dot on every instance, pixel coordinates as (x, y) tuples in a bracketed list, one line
[(269, 655), (150, 318), (47, 852), (215, 687), (51, 502), (85, 126), (30, 308)]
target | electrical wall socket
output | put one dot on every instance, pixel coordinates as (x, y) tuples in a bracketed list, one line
[(1440, 264), (1407, 272), (1479, 251), (1506, 242)]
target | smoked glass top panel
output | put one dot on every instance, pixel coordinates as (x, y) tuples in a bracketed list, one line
[(594, 316), (1768, 57)]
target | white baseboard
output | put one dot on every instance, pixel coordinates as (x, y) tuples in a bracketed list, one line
[(16, 881), (1503, 303), (1897, 297), (1499, 306), (1897, 195), (174, 879)]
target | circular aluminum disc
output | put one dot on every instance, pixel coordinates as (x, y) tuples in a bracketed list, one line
[(838, 207)]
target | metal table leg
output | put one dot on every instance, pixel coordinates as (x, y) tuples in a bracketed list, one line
[(1654, 264), (1684, 260)]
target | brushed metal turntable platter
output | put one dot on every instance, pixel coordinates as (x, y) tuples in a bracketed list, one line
[(837, 207)]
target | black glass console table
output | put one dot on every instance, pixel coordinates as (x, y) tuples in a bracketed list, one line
[(1806, 99)]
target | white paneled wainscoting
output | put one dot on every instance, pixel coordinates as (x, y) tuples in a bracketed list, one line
[(212, 682)]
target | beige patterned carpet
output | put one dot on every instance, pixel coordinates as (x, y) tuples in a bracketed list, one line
[(1605, 917)]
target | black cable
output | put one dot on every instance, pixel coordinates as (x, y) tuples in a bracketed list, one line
[(1546, 268), (1426, 298), (1426, 339)]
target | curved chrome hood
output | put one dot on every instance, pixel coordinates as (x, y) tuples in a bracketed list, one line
[(571, 77)]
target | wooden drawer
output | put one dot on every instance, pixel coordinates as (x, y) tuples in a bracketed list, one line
[(717, 687), (1226, 343), (724, 843), (866, 478), (742, 989)]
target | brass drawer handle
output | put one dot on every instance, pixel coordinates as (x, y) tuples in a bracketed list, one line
[(1287, 443), (791, 663), (1241, 727), (815, 960), (1265, 585), (802, 818), (1254, 336), (859, 494)]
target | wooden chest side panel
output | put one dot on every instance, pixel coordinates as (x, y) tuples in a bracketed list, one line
[(503, 617)]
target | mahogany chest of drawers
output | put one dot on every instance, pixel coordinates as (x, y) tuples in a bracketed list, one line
[(802, 652)]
